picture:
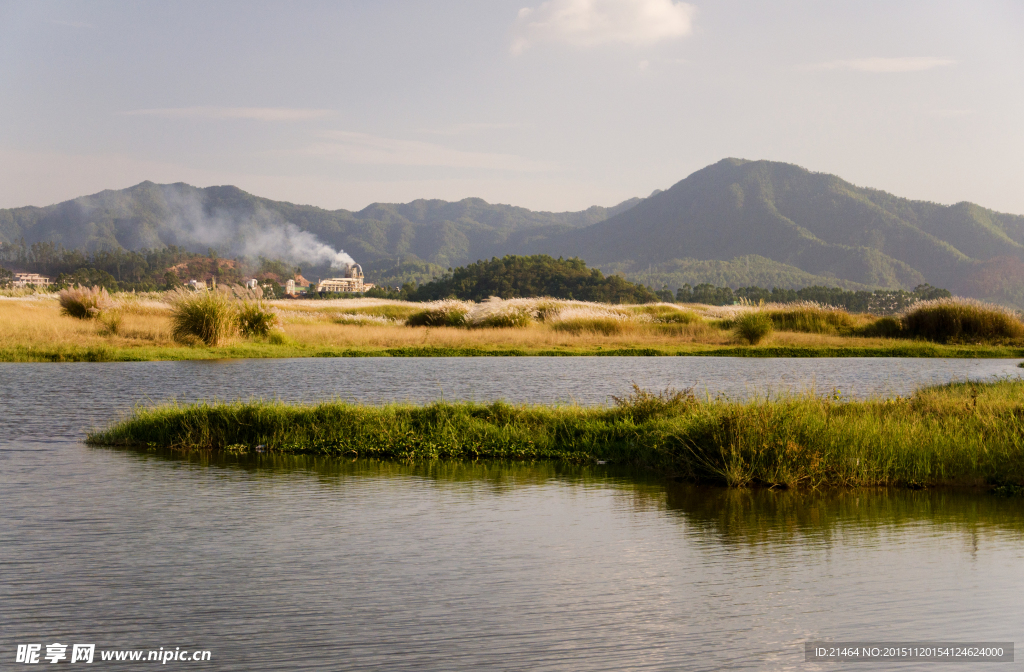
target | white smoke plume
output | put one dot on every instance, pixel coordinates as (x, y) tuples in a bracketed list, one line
[(289, 243), (259, 233)]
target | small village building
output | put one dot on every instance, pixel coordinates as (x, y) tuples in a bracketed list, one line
[(22, 280)]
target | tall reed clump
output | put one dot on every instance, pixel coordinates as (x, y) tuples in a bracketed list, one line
[(499, 314), (202, 316), (960, 320), (85, 303), (445, 313), (255, 318), (966, 434), (507, 319), (754, 326), (812, 318), (605, 325)]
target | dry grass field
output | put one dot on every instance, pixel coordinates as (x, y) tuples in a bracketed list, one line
[(33, 328)]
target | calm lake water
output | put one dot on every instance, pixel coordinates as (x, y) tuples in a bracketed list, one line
[(298, 563)]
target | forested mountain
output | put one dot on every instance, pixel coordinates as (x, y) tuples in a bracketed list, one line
[(734, 223), (786, 220), (232, 222)]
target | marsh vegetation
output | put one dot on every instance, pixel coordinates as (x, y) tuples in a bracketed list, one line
[(967, 434), (238, 323)]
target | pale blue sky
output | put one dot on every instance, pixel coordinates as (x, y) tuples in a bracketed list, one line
[(551, 105)]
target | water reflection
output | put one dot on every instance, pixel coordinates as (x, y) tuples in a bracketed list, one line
[(742, 516), (311, 563)]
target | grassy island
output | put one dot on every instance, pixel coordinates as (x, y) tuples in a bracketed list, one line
[(963, 434), (132, 327)]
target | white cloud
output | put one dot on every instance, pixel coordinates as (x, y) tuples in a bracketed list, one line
[(594, 22), (361, 148), (257, 113), (905, 64)]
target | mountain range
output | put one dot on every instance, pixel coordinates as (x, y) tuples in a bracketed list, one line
[(735, 222)]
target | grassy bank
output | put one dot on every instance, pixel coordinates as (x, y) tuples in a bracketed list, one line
[(960, 434), (32, 329), (103, 353)]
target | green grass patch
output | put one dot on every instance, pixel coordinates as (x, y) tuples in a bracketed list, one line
[(963, 434)]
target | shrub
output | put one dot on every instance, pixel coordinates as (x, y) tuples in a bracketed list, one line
[(84, 303), (643, 405), (947, 320), (207, 316), (754, 326), (255, 318), (449, 313)]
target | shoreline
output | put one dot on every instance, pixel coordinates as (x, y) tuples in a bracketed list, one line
[(966, 435), (919, 349)]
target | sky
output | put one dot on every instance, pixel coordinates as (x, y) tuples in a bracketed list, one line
[(551, 105)]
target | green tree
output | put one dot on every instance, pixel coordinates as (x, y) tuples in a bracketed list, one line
[(516, 276)]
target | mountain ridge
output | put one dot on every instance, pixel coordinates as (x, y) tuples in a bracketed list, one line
[(791, 224)]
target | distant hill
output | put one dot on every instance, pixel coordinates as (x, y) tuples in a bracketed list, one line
[(232, 221), (734, 223), (790, 220)]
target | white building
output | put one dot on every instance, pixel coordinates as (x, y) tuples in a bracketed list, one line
[(22, 280), (350, 283)]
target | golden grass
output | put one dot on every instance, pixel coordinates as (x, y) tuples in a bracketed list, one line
[(33, 322), (39, 323)]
